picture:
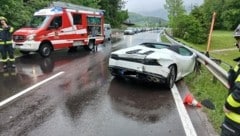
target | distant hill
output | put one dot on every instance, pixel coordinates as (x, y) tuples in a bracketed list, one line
[(141, 20)]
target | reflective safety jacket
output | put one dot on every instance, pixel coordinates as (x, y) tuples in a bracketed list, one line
[(233, 102), (6, 35)]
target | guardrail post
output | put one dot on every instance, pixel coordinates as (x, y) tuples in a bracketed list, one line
[(217, 61), (197, 67)]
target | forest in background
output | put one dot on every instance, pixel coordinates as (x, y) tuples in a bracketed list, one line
[(19, 12), (194, 27)]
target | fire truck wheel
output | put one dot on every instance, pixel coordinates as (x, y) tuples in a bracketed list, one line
[(45, 50), (90, 46), (72, 49)]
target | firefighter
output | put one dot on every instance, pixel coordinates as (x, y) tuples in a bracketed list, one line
[(7, 50), (231, 108)]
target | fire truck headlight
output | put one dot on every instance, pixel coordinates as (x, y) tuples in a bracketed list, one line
[(31, 37)]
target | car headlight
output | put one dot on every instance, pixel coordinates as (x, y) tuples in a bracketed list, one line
[(31, 37), (151, 62)]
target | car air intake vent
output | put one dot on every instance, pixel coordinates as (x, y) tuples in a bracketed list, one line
[(148, 52), (133, 51), (115, 56)]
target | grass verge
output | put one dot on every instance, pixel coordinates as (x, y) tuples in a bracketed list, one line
[(203, 85)]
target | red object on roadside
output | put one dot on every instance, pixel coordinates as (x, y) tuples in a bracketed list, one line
[(189, 99)]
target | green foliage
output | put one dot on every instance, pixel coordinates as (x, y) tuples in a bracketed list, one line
[(189, 29), (113, 13), (19, 12), (204, 86), (230, 14), (196, 30), (175, 10)]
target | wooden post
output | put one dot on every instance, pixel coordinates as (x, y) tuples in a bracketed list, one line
[(210, 33)]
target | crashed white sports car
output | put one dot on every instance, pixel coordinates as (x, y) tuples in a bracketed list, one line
[(154, 62)]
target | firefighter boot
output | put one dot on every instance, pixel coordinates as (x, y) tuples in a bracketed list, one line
[(5, 65), (13, 65)]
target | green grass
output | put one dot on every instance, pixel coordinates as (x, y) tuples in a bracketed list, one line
[(203, 85), (220, 40), (164, 39)]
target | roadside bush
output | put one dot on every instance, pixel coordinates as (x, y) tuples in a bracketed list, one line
[(189, 29)]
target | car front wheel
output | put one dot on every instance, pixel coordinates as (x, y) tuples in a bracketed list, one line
[(171, 76)]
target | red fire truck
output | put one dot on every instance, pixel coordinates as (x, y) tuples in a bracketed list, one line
[(62, 25)]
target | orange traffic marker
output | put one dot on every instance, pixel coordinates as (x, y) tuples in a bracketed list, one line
[(189, 99)]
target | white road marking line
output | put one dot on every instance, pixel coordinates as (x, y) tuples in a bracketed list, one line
[(2, 103), (186, 121)]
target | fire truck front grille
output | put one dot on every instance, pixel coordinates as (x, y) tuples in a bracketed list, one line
[(19, 38)]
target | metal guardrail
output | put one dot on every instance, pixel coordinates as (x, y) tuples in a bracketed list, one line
[(211, 65)]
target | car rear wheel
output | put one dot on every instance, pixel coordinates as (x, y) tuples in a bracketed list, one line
[(171, 76), (116, 74)]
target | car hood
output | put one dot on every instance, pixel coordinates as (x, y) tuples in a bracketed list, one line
[(142, 52)]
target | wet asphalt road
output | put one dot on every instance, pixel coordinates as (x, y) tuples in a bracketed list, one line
[(86, 100)]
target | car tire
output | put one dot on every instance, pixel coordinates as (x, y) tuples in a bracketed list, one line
[(171, 76), (116, 74), (45, 50), (72, 49)]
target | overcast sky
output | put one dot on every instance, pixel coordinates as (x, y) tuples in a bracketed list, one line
[(154, 7)]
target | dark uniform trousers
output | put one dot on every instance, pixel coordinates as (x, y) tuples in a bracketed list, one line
[(7, 50)]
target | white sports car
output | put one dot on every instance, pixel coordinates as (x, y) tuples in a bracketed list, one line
[(154, 62)]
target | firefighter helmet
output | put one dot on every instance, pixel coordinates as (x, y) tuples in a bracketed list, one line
[(3, 18)]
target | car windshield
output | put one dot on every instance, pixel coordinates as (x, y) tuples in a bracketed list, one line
[(38, 21), (155, 45)]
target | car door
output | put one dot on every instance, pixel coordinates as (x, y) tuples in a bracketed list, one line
[(186, 61)]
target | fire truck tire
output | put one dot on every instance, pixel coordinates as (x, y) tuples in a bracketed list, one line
[(90, 46), (45, 50), (72, 49)]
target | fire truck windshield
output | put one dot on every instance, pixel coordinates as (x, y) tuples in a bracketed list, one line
[(38, 21)]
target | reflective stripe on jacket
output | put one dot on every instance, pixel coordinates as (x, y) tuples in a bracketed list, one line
[(7, 42), (233, 102), (6, 35)]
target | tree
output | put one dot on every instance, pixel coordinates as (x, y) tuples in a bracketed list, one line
[(231, 14), (175, 9), (19, 12), (190, 29), (113, 13), (210, 6)]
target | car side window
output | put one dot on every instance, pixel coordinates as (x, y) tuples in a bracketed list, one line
[(56, 22), (185, 52), (77, 19)]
